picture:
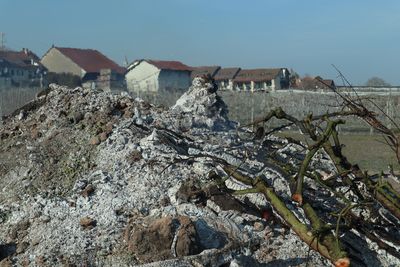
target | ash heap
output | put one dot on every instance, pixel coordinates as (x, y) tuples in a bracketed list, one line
[(89, 178)]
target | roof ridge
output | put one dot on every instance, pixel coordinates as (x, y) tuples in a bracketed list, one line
[(91, 60)]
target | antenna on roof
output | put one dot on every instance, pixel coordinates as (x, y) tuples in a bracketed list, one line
[(126, 61)]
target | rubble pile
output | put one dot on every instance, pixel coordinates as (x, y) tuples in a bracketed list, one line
[(91, 178)]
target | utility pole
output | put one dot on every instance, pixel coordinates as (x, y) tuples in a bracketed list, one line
[(2, 40)]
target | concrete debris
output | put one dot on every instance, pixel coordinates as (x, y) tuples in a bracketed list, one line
[(114, 181)]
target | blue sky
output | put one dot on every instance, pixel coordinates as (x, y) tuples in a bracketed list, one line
[(361, 37)]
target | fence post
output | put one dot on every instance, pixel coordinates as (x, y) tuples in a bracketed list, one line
[(252, 108)]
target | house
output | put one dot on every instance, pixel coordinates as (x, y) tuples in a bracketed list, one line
[(20, 68), (157, 75), (204, 71), (225, 76), (94, 68), (262, 79), (312, 83), (325, 83)]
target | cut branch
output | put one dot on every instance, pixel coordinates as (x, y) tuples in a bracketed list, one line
[(325, 244)]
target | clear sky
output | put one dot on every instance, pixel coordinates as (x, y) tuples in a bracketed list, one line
[(361, 37)]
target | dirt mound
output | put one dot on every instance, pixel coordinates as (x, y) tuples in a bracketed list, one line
[(91, 178)]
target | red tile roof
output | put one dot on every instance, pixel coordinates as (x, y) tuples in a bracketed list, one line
[(226, 74), (21, 58), (204, 70), (90, 60), (256, 75), (169, 65), (329, 82)]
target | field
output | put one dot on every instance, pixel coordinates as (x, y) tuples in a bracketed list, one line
[(368, 151)]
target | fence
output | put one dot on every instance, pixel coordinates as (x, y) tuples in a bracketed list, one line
[(14, 97), (245, 106)]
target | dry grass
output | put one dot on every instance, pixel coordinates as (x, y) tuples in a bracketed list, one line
[(368, 151)]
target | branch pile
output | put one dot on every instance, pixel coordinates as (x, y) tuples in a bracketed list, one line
[(98, 179)]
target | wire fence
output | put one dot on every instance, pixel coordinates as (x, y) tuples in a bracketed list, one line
[(15, 97), (245, 106)]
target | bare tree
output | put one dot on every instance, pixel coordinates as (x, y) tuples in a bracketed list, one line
[(376, 81)]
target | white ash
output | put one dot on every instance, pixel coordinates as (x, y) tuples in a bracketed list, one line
[(127, 188)]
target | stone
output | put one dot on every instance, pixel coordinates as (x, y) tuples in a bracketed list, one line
[(163, 239), (128, 114), (77, 117), (21, 247), (135, 156), (45, 218), (258, 226), (187, 238), (35, 133), (152, 243), (108, 128), (88, 191), (7, 262), (103, 136), (35, 241), (95, 140), (40, 260), (87, 222)]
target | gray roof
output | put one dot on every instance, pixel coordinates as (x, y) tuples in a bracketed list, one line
[(204, 70), (226, 74)]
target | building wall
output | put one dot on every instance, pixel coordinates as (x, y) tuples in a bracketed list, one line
[(15, 76), (272, 85), (143, 77), (276, 83), (56, 62), (225, 84), (279, 82), (110, 80), (222, 85), (284, 79), (19, 74), (146, 77), (174, 80)]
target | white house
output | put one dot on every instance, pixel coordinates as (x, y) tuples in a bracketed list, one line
[(155, 75), (262, 79)]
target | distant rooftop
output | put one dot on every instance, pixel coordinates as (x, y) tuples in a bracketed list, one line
[(226, 74), (24, 58), (163, 64), (204, 70), (90, 60), (256, 75)]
